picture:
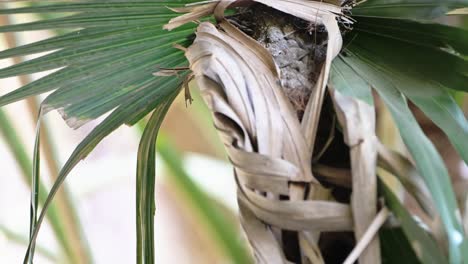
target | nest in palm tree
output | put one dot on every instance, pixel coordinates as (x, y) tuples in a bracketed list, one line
[(298, 48), (265, 85)]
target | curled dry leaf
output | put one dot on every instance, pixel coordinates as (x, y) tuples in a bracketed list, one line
[(358, 121), (271, 150)]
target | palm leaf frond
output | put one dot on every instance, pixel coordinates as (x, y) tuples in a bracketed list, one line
[(422, 62), (418, 79), (407, 9), (133, 110), (429, 251), (427, 159), (146, 185), (106, 64)]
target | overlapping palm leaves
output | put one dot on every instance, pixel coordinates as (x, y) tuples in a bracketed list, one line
[(106, 65), (418, 60)]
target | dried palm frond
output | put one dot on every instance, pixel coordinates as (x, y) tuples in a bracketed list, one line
[(269, 147)]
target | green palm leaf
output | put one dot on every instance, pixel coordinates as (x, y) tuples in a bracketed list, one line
[(106, 64), (133, 110), (428, 92), (428, 161), (428, 251), (132, 53), (348, 82), (421, 62), (145, 185), (408, 9), (97, 6), (425, 34)]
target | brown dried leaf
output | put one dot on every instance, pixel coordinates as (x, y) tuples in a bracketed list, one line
[(269, 148), (358, 121)]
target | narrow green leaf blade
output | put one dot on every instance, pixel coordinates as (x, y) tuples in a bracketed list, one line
[(145, 185), (429, 95), (136, 106), (61, 41), (348, 82), (82, 6), (435, 65), (102, 69), (428, 161), (408, 9), (396, 248), (423, 245), (94, 19), (98, 50), (426, 34)]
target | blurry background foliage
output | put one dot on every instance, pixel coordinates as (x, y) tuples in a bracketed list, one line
[(195, 192)]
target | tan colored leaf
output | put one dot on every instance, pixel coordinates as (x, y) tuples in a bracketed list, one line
[(358, 121), (270, 149), (460, 11)]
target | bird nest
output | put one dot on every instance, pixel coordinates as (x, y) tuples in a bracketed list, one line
[(264, 79)]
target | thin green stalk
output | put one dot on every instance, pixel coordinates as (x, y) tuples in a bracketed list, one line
[(73, 237), (18, 150), (215, 220)]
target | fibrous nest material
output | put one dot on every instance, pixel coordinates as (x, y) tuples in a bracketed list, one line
[(298, 48)]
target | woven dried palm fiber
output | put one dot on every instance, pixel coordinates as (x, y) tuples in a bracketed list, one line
[(269, 146)]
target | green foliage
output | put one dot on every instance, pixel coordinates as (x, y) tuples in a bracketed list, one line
[(407, 9), (106, 64), (146, 183), (394, 243), (405, 59), (425, 247)]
